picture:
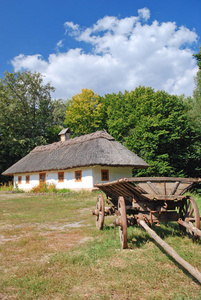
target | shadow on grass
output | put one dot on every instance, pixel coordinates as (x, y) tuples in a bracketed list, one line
[(177, 264), (137, 236), (137, 240)]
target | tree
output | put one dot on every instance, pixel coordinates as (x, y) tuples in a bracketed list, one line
[(195, 117), (196, 100), (25, 115), (156, 127), (58, 115), (85, 113)]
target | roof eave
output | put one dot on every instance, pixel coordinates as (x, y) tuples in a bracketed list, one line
[(78, 166)]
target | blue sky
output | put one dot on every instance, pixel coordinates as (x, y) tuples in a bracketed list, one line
[(107, 46)]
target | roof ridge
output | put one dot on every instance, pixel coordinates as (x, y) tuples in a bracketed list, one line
[(76, 140)]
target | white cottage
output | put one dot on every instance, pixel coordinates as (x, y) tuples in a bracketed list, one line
[(76, 163)]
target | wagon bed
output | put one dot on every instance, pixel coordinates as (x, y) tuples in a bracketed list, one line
[(150, 188), (152, 199)]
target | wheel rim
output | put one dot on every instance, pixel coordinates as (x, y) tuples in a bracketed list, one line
[(101, 208), (123, 226), (190, 214)]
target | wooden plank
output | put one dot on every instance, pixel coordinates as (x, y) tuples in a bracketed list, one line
[(176, 184), (162, 179), (153, 187), (163, 197), (147, 185), (190, 226)]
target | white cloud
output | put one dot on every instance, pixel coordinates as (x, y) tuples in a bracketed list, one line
[(60, 44), (144, 13), (71, 28), (126, 53)]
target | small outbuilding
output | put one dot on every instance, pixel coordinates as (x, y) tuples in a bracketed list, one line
[(76, 163)]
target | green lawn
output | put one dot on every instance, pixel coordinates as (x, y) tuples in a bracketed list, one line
[(51, 249)]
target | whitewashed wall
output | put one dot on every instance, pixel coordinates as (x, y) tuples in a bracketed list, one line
[(34, 181), (114, 173), (90, 176), (69, 179), (52, 178)]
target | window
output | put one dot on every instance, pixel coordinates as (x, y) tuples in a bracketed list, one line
[(42, 177), (19, 179), (60, 176), (27, 179), (105, 175), (78, 176)]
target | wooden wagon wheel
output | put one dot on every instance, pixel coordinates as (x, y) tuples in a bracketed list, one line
[(190, 214), (100, 207), (123, 226)]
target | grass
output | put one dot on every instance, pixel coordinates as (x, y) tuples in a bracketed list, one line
[(51, 249)]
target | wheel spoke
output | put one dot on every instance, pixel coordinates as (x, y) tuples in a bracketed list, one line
[(123, 226), (190, 214), (101, 211)]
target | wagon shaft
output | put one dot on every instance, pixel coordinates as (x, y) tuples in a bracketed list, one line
[(171, 252), (190, 227)]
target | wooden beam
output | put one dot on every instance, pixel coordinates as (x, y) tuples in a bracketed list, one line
[(190, 226), (152, 186), (175, 187), (194, 272)]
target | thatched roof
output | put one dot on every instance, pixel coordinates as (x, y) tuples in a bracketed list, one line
[(98, 148)]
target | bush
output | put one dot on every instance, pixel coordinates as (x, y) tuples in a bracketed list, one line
[(41, 188), (8, 187), (48, 188)]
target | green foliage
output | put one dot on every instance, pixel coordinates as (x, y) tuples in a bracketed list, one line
[(196, 100), (155, 126), (8, 187), (63, 191), (26, 115), (194, 115), (198, 57), (85, 113), (58, 118)]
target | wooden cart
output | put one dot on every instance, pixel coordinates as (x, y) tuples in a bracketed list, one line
[(153, 199), (147, 200)]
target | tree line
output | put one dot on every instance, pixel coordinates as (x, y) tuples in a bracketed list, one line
[(163, 129)]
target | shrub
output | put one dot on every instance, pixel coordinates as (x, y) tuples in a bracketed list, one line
[(44, 188), (6, 187), (41, 188)]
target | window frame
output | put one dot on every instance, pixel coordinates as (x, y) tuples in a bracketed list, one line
[(27, 179), (60, 173), (19, 179), (40, 174), (102, 175), (78, 180)]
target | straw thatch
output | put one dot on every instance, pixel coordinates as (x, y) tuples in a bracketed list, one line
[(98, 148)]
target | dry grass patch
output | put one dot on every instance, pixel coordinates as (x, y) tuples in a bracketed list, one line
[(51, 249)]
